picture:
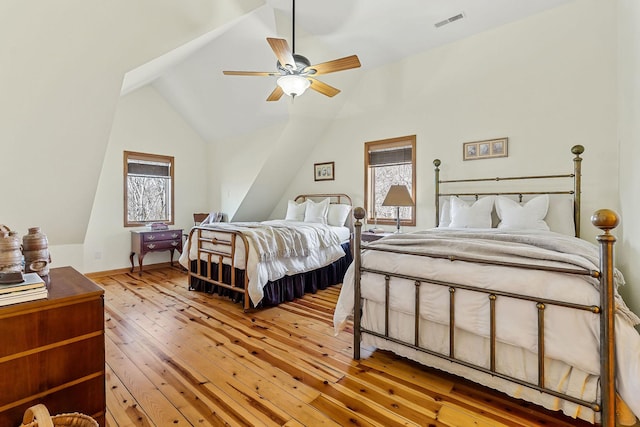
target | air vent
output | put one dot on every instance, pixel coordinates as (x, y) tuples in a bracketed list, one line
[(449, 20)]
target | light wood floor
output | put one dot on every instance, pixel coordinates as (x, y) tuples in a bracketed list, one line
[(180, 358)]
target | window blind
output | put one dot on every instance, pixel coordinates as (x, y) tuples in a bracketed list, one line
[(389, 157), (145, 169)]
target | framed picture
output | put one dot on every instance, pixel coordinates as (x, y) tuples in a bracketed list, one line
[(485, 149), (323, 171)]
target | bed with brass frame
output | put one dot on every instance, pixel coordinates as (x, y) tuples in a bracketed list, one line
[(601, 407), (224, 255)]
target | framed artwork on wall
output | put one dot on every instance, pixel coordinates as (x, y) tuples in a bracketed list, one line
[(323, 171), (485, 149)]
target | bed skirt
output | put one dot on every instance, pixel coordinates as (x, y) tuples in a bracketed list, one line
[(285, 289)]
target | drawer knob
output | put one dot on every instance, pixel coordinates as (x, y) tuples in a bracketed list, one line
[(174, 243), (151, 246), (151, 237), (174, 235)]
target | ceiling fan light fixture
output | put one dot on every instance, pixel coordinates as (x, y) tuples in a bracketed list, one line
[(293, 84)]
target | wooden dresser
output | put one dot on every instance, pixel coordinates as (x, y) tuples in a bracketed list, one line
[(52, 350)]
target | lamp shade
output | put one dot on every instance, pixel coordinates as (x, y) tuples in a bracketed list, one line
[(398, 195), (293, 84)]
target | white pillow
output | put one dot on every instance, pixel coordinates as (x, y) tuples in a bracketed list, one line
[(528, 216), (560, 214), (295, 211), (338, 214), (317, 212), (445, 213), (477, 215)]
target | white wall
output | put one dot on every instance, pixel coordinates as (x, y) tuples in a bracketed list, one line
[(61, 72), (144, 122), (628, 247), (547, 83)]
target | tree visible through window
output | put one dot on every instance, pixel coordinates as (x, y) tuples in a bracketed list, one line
[(148, 188), (389, 162)]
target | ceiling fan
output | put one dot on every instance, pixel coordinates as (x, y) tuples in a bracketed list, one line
[(295, 72)]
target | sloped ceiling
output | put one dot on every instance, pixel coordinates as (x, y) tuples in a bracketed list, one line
[(378, 31)]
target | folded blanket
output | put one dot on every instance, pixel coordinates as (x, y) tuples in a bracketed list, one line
[(537, 249), (277, 239)]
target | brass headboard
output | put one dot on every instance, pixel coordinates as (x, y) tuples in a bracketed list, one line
[(334, 198), (577, 150)]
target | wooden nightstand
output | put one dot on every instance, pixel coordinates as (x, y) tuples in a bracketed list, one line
[(372, 237), (145, 241)]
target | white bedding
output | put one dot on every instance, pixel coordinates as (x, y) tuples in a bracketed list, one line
[(318, 245), (572, 351)]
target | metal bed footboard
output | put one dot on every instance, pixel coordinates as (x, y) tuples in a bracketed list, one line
[(213, 251)]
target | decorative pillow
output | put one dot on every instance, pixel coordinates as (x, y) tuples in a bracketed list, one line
[(477, 215), (317, 212), (445, 213), (528, 216), (560, 214), (338, 214), (295, 211)]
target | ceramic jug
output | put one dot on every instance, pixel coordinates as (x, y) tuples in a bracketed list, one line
[(10, 254), (35, 248)]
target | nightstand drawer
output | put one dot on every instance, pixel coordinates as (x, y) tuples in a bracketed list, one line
[(162, 244), (160, 235)]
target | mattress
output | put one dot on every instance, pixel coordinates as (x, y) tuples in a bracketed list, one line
[(572, 350)]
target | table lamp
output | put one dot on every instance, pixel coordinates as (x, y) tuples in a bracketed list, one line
[(397, 196)]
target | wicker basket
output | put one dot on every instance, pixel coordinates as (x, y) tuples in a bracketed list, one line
[(38, 416)]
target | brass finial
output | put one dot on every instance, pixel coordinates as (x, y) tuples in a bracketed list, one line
[(359, 213), (437, 163), (577, 149), (605, 219)]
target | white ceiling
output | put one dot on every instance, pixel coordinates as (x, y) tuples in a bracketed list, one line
[(378, 31)]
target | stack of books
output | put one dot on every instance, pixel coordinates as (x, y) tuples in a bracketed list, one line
[(157, 226), (32, 287)]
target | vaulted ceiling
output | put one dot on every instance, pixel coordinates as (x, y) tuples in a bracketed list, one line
[(378, 31)]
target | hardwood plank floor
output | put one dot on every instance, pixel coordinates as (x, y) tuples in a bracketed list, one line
[(177, 357)]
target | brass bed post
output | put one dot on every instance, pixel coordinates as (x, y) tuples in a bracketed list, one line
[(606, 220), (437, 163), (358, 213), (577, 186)]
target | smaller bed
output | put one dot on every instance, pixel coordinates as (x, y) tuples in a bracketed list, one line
[(266, 263)]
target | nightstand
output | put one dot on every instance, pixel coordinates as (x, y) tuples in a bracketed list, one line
[(145, 241), (372, 237)]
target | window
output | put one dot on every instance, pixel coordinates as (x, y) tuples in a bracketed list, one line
[(389, 162), (148, 189)]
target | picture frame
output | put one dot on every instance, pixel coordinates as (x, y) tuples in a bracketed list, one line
[(486, 149), (323, 171)]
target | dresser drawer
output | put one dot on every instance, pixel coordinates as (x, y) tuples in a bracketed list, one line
[(161, 235)]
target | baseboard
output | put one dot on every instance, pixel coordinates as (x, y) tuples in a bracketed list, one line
[(146, 267)]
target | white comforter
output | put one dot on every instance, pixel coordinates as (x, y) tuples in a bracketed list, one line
[(276, 249), (576, 343)]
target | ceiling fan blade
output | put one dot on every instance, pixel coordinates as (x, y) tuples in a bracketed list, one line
[(249, 73), (322, 87), (276, 94), (283, 53), (345, 63)]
